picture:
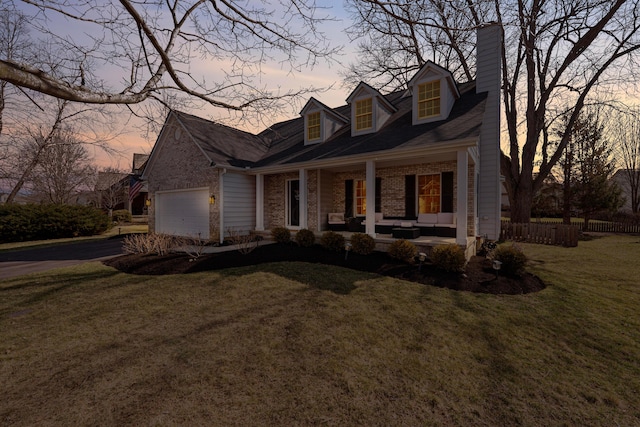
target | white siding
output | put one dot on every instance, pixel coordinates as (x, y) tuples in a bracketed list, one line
[(183, 213), (239, 202)]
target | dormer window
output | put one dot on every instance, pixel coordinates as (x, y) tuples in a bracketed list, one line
[(370, 110), (429, 99), (364, 114), (434, 92), (313, 126), (320, 122)]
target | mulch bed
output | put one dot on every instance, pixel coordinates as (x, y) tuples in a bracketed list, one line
[(478, 275)]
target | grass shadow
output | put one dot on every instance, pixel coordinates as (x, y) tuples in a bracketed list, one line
[(338, 280)]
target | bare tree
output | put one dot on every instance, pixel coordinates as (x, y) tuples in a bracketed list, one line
[(624, 126), (152, 47), (558, 56), (14, 45), (110, 188), (29, 140), (397, 38), (65, 169)]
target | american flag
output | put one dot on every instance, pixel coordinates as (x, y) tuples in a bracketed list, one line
[(135, 185)]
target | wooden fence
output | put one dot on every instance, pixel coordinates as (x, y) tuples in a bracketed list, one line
[(547, 234), (599, 226)]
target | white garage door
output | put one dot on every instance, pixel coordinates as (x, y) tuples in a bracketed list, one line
[(183, 213)]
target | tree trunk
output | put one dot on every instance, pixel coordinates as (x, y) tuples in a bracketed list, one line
[(521, 209), (23, 178)]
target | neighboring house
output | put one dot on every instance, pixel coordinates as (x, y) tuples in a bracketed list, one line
[(624, 178), (117, 190), (433, 148)]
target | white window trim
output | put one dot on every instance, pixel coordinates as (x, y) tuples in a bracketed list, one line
[(308, 141), (444, 101)]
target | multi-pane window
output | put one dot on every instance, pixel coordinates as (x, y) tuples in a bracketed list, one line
[(361, 197), (429, 99), (429, 193), (313, 126), (364, 114)]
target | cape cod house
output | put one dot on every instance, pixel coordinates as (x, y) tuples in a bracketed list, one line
[(427, 156)]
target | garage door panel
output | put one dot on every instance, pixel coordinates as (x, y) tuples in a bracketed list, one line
[(183, 213)]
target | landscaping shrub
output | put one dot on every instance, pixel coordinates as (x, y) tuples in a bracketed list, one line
[(403, 250), (512, 258), (281, 234), (362, 243), (20, 223), (332, 241), (121, 215), (448, 258), (305, 238), (487, 248), (151, 244)]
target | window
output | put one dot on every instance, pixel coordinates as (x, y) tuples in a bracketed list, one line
[(313, 126), (364, 114), (429, 99), (429, 193), (361, 197)]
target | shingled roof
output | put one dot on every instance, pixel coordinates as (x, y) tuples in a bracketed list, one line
[(283, 143), (223, 145)]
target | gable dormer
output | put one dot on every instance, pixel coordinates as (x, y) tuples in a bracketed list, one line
[(433, 92), (369, 110), (320, 122)]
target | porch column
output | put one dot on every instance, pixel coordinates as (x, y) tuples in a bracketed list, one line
[(302, 199), (370, 219), (259, 202), (462, 193)]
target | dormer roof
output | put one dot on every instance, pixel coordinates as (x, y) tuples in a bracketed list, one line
[(430, 71), (314, 105), (364, 89)]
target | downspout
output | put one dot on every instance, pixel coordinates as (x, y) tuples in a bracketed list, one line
[(223, 171)]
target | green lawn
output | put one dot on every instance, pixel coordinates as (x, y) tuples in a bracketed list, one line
[(270, 345)]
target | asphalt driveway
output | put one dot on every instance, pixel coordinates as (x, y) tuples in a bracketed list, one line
[(24, 261)]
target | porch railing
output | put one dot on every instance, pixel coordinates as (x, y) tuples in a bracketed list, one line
[(547, 234)]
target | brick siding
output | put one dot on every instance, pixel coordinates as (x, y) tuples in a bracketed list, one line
[(179, 164)]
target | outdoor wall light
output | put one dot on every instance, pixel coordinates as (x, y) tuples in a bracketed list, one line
[(212, 199), (147, 202)]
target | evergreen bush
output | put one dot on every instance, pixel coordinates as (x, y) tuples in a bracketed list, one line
[(21, 223), (512, 258), (362, 243), (121, 215), (403, 250), (281, 234), (305, 238), (332, 241), (448, 258)]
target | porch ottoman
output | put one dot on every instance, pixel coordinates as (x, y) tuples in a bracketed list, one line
[(405, 233)]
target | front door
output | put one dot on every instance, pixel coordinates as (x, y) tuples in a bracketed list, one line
[(293, 205)]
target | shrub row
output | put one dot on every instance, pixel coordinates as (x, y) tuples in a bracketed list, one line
[(21, 223), (450, 258)]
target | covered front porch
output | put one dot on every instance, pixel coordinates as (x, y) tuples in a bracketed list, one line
[(378, 193)]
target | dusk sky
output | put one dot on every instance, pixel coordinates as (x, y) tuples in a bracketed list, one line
[(130, 137)]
